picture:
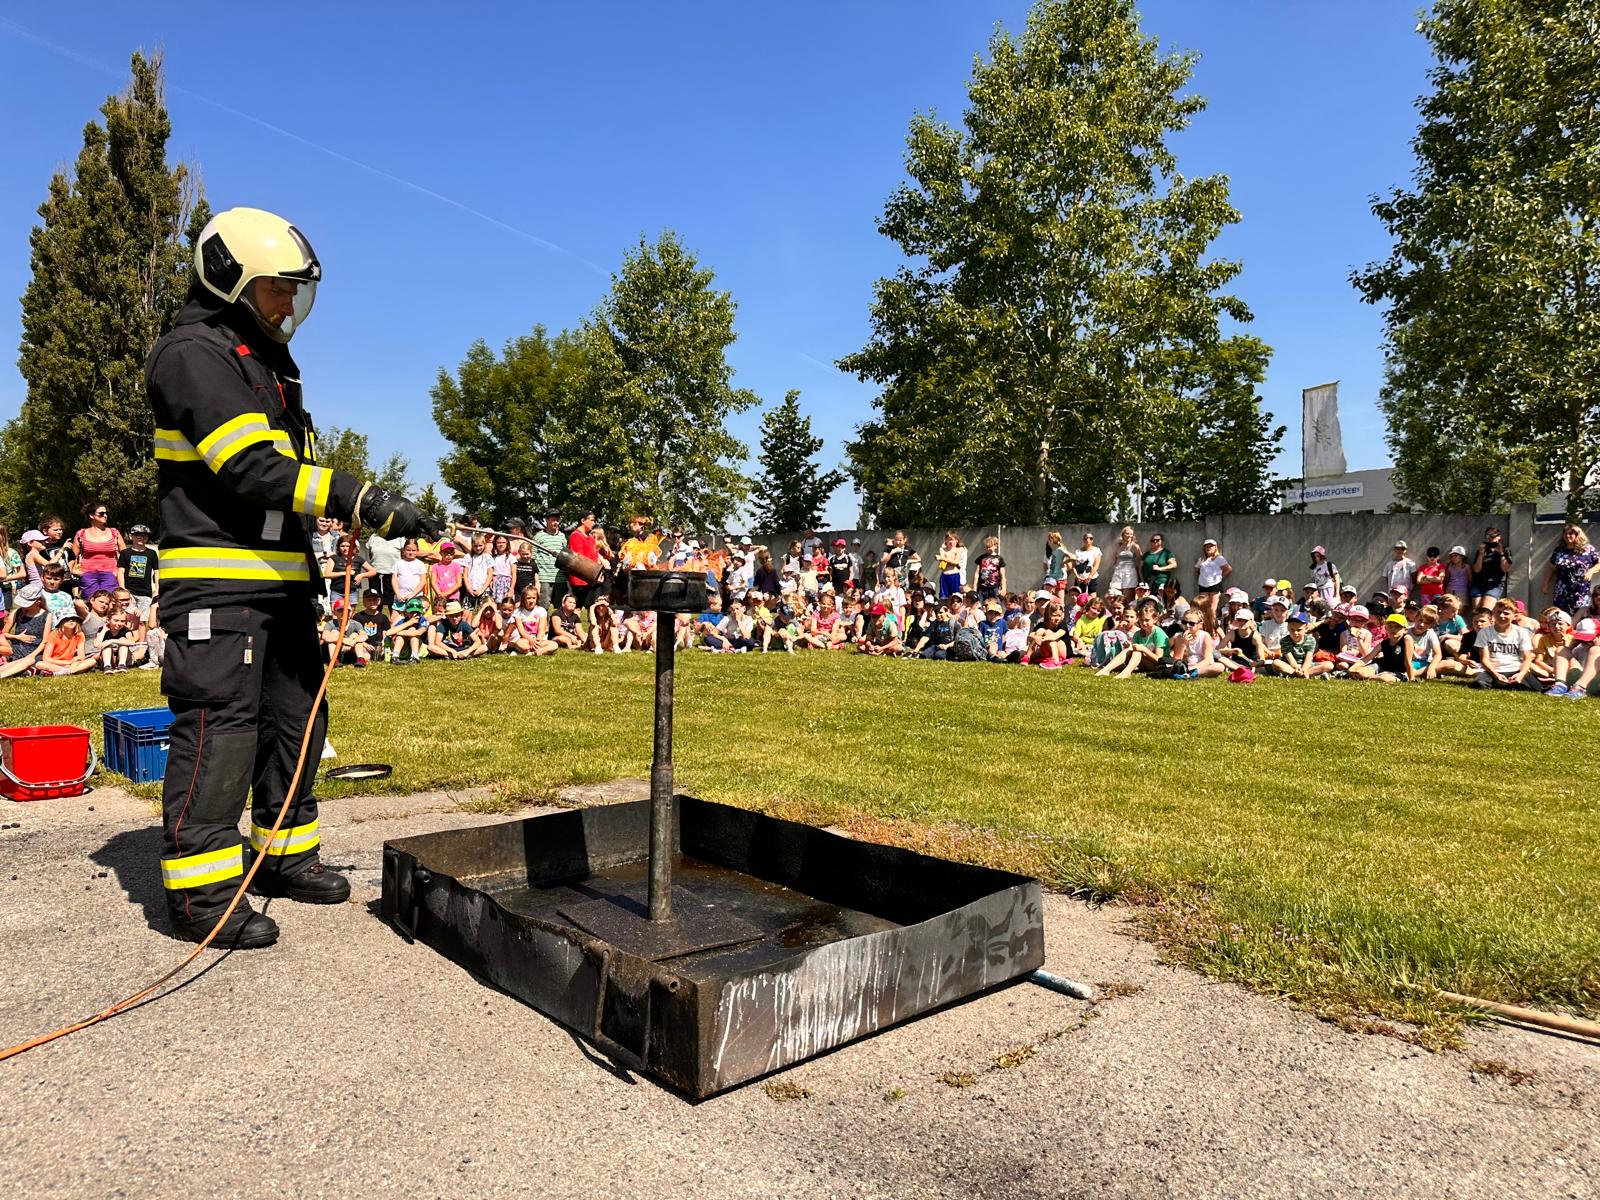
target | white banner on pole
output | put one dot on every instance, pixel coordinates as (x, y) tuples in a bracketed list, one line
[(1321, 441)]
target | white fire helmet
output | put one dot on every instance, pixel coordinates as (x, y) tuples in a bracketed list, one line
[(245, 244)]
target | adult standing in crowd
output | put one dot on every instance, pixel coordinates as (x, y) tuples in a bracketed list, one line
[(1086, 565), (810, 544), (1574, 563), (383, 553), (97, 546), (1401, 570), (1491, 567), (1125, 563), (1211, 571), (1325, 574), (1160, 565), (582, 541), (548, 543)]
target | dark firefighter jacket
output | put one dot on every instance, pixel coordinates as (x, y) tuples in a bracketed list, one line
[(237, 480)]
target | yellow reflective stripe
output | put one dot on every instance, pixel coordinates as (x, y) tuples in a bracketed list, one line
[(311, 445), (227, 439), (196, 870), (216, 443), (206, 562), (288, 841), (311, 491), (172, 446)]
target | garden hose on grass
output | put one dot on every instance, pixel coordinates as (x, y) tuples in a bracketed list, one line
[(244, 884), (1531, 1018)]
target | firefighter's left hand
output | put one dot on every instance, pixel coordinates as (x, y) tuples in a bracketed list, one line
[(391, 516)]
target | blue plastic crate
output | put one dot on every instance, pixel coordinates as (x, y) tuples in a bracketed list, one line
[(136, 742)]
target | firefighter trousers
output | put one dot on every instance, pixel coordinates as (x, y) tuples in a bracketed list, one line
[(239, 681)]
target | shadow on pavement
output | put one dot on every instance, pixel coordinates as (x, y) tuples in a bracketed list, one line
[(134, 856)]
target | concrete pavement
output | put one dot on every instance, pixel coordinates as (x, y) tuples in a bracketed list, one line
[(346, 1063)]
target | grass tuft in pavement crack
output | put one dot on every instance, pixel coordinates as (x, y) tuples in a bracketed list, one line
[(1496, 1068), (1014, 1057), (782, 1090)]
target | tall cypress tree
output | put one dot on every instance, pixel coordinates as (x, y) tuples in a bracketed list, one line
[(110, 268), (791, 490)]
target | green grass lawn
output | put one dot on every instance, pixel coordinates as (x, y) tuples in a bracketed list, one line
[(1335, 843)]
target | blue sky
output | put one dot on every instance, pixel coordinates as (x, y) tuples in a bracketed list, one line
[(469, 170)]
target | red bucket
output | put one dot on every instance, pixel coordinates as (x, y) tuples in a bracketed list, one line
[(38, 762)]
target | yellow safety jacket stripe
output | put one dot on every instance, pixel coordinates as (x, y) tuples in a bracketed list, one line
[(196, 870), (172, 446), (311, 491), (288, 841), (227, 439), (207, 562)]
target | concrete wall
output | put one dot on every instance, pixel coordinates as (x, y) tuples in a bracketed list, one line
[(1278, 545)]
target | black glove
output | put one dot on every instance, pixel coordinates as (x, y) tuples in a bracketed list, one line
[(390, 516)]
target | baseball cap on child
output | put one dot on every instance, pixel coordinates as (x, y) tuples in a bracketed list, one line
[(838, 541), (32, 593), (1358, 610), (1397, 619), (1043, 595), (1322, 550), (1461, 550), (1583, 631), (33, 535)]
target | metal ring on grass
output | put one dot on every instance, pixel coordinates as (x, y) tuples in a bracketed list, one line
[(360, 772)]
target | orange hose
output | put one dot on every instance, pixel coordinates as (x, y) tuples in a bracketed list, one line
[(244, 884)]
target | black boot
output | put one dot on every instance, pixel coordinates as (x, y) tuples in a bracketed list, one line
[(315, 885), (246, 929)]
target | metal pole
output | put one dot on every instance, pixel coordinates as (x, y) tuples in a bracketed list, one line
[(661, 774)]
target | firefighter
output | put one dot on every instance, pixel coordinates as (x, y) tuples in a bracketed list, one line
[(239, 488)]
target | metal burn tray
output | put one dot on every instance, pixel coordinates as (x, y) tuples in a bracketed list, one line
[(785, 940)]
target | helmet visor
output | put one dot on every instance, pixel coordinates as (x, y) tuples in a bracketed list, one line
[(283, 304)]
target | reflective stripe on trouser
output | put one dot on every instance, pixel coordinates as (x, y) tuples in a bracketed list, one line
[(286, 841), (197, 870), (240, 700)]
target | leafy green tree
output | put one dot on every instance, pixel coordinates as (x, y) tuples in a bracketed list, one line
[(508, 419), (1492, 393), (1213, 453), (347, 450), (428, 501), (344, 449), (395, 475), (110, 268), (650, 436), (1060, 261), (791, 490)]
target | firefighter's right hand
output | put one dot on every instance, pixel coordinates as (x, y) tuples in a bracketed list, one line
[(391, 516)]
